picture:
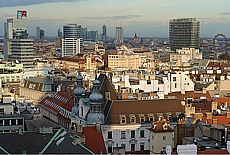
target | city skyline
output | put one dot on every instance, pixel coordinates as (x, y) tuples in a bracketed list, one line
[(148, 18)]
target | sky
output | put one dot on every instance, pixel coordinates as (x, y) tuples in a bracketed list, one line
[(147, 18)]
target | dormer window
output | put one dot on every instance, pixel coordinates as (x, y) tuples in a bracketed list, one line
[(122, 119), (160, 116), (151, 117), (132, 119), (142, 118), (165, 126)]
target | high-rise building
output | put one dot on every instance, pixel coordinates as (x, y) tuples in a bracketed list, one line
[(93, 35), (15, 28), (38, 32), (59, 33), (104, 35), (119, 35), (84, 33), (70, 47), (22, 51), (72, 31), (184, 33), (16, 45), (42, 34), (72, 42)]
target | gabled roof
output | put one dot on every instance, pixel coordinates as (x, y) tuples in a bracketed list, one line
[(57, 101), (126, 107)]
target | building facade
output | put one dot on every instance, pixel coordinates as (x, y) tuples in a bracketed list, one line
[(119, 35), (184, 32), (72, 42), (23, 52)]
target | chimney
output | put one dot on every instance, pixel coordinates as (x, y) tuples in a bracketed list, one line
[(79, 128), (208, 115), (119, 89), (204, 90), (98, 127), (214, 121), (214, 105), (228, 114)]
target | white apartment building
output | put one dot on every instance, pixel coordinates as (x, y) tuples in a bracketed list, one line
[(184, 55), (165, 83), (130, 137), (71, 46), (23, 52)]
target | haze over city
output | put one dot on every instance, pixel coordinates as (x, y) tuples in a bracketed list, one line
[(148, 18)]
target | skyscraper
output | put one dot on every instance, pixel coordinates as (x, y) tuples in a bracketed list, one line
[(16, 45), (104, 35), (59, 33), (42, 34), (38, 32), (72, 31), (119, 35), (72, 42), (184, 33)]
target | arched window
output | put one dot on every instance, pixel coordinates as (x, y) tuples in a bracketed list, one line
[(122, 119), (132, 119), (151, 118), (142, 118)]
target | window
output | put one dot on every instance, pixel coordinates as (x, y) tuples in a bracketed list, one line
[(132, 119), (122, 119), (123, 146), (142, 133), (13, 122), (132, 133), (164, 137), (82, 111), (1, 122), (122, 134), (142, 146), (132, 147), (174, 78), (142, 118), (151, 118), (188, 84), (110, 134), (1, 111), (107, 95), (152, 147), (175, 85), (152, 137), (7, 122), (110, 149)]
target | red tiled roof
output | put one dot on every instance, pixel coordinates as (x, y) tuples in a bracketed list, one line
[(212, 152), (57, 101), (94, 140), (220, 120), (191, 94), (221, 101)]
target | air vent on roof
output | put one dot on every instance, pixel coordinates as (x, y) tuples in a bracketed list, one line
[(60, 141)]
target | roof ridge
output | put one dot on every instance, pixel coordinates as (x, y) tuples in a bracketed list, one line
[(108, 110)]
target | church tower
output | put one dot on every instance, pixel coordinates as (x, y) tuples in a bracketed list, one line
[(79, 92), (95, 114)]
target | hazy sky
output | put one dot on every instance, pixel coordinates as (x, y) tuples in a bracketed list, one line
[(148, 18)]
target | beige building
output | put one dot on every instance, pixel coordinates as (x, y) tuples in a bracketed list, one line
[(161, 135), (131, 61), (37, 88)]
